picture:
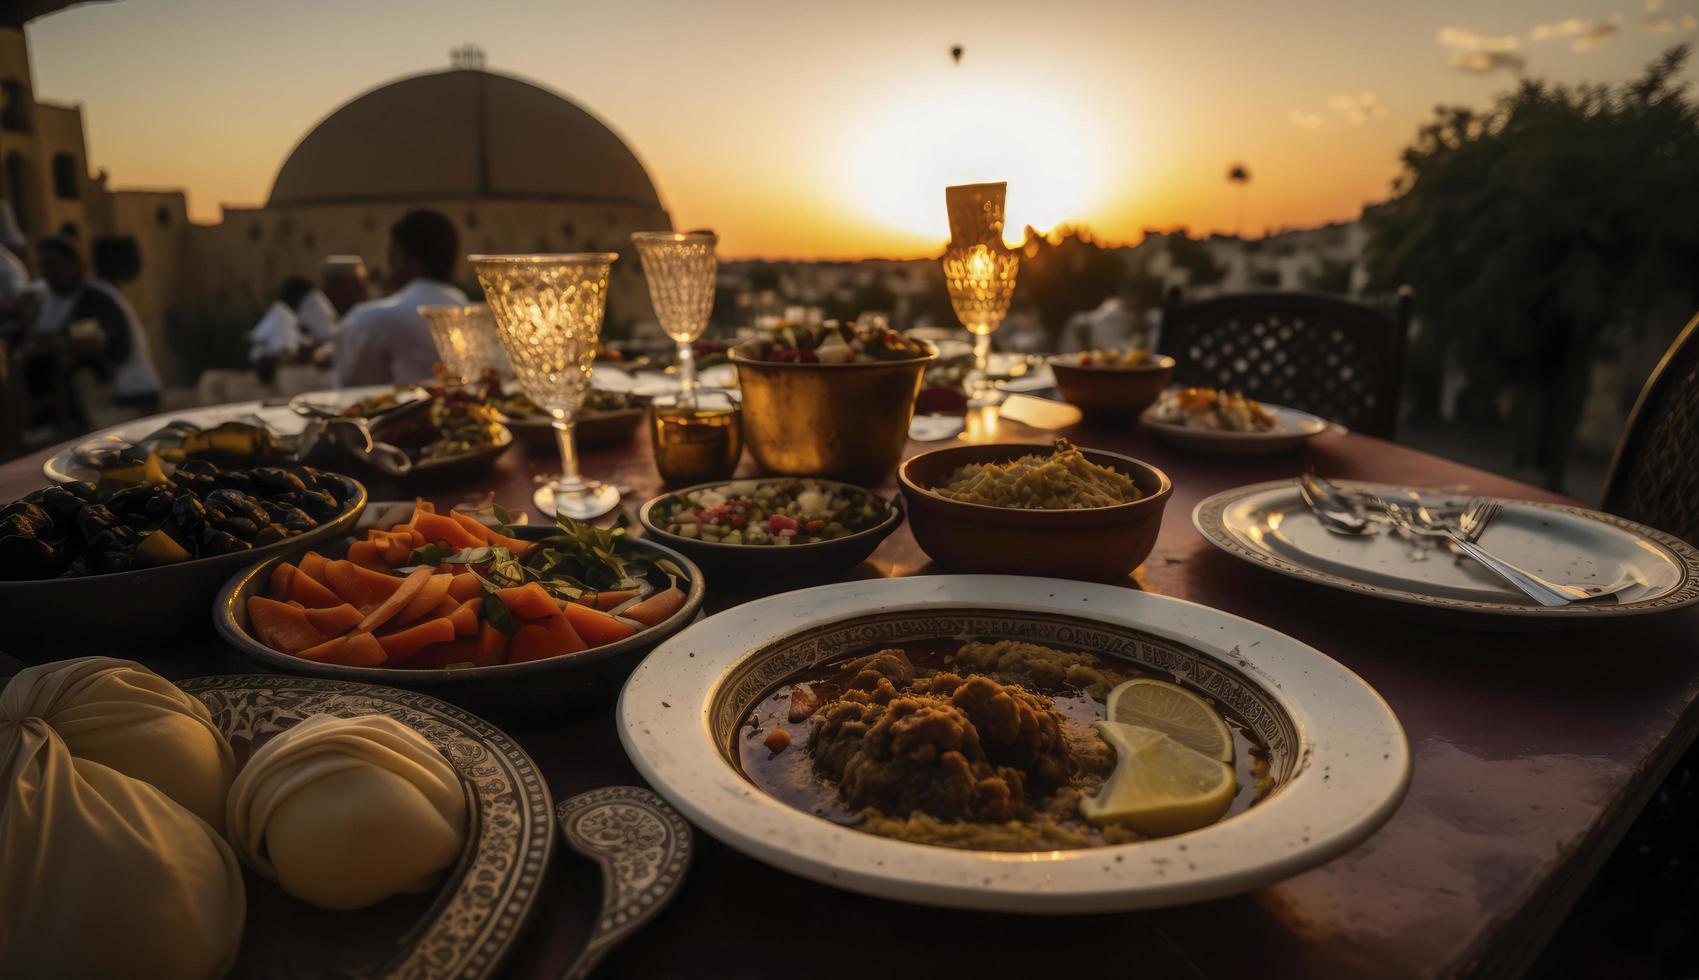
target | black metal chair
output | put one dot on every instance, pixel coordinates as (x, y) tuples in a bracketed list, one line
[(1654, 477), (1320, 354)]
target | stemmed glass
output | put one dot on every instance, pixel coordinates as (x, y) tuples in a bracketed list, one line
[(680, 270), (979, 272), (548, 310), (466, 340)]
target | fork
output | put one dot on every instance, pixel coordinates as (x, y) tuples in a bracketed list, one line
[(1477, 513)]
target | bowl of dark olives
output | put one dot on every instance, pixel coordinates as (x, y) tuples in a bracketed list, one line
[(97, 567)]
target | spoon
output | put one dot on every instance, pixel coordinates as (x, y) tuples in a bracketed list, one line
[(1335, 512), (643, 847)]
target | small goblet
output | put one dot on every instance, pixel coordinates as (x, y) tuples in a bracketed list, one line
[(979, 271), (548, 310), (680, 270), (466, 340)]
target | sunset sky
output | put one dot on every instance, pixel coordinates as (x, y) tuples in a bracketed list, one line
[(803, 129)]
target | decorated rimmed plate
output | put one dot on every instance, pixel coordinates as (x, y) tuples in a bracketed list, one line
[(479, 909), (1292, 429), (1336, 752), (1268, 525), (66, 466)]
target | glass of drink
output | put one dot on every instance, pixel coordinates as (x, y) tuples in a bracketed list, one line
[(696, 441), (465, 337), (680, 269), (548, 310), (979, 271)]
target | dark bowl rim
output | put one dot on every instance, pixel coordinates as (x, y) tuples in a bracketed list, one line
[(349, 514), (893, 520), (739, 358), (1164, 489), (1165, 362), (233, 635)]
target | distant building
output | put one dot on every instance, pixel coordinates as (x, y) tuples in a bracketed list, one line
[(516, 167)]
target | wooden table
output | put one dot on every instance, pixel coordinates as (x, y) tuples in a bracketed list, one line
[(1533, 752)]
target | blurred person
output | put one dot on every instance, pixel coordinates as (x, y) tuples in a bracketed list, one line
[(14, 275), (278, 336), (87, 323), (384, 341)]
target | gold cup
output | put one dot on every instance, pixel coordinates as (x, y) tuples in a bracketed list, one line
[(698, 438), (841, 421)]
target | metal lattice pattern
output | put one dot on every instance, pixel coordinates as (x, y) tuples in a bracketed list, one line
[(1655, 479), (1313, 353)]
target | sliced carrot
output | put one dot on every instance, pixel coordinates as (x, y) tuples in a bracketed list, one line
[(359, 650), (324, 651), (492, 646), (313, 563), (440, 655), (366, 555), (281, 626), (529, 601), (491, 537), (552, 637), (465, 586), (658, 607), (606, 600), (333, 620), (361, 587), (397, 601), (597, 628), (437, 528), (310, 592), (281, 576), (403, 644), (465, 617), (433, 593)]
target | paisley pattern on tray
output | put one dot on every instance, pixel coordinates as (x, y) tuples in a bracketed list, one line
[(486, 899)]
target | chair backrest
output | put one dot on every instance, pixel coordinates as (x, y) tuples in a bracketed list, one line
[(1320, 354), (1654, 477)]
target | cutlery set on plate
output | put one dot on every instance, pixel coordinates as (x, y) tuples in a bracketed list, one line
[(1354, 512)]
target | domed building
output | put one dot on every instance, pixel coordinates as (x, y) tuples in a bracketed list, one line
[(516, 167)]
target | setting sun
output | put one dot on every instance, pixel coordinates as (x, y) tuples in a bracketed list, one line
[(966, 128)]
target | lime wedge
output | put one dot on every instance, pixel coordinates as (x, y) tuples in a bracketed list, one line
[(1175, 712), (1159, 786)]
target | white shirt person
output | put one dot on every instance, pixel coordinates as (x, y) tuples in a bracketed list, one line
[(387, 341)]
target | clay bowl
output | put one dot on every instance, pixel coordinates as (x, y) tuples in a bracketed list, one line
[(1102, 544), (1108, 392)]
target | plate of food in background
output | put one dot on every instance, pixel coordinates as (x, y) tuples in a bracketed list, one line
[(607, 417), (1016, 744), (1227, 423), (421, 436)]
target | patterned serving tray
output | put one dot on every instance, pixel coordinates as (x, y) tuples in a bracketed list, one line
[(469, 925)]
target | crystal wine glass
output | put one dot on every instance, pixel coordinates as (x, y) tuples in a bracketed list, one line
[(680, 270), (465, 337), (979, 272), (548, 310)]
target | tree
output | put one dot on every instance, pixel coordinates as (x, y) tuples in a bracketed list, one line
[(1061, 278), (1529, 229)]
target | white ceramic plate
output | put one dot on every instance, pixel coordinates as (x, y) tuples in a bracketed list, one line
[(1292, 429), (1268, 525), (1035, 374), (1337, 751)]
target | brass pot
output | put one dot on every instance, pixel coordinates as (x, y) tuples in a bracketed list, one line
[(841, 421)]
